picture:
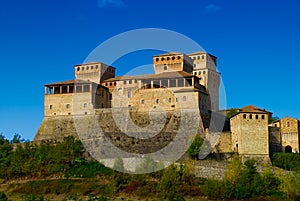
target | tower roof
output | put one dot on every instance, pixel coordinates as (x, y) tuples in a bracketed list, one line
[(252, 109)]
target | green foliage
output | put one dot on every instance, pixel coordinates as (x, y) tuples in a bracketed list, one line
[(17, 139), (88, 170), (290, 185), (242, 181), (32, 160), (231, 113), (271, 119), (35, 198), (169, 182), (287, 161), (3, 197), (149, 166), (195, 147)]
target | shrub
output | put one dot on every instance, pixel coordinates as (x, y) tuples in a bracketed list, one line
[(195, 146)]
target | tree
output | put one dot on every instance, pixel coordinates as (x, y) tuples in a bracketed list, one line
[(17, 139), (170, 181), (231, 113), (195, 147)]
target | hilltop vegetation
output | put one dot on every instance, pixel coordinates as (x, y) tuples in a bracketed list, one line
[(59, 172)]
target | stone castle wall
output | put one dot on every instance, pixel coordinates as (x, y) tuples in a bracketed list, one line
[(133, 132)]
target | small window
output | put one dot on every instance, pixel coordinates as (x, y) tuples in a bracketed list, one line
[(85, 105), (129, 81), (250, 116), (194, 65), (179, 57), (263, 116), (157, 59), (173, 58), (162, 58), (157, 101), (87, 68), (166, 67), (204, 72), (170, 100), (256, 116), (92, 67), (194, 58), (68, 106), (176, 99), (129, 94), (202, 56), (96, 66), (184, 98), (244, 116), (69, 113), (198, 57), (82, 68), (199, 72), (143, 101), (78, 68), (51, 107), (288, 124), (195, 73), (168, 58)]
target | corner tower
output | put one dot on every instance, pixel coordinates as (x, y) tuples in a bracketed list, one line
[(205, 67), (94, 72), (250, 134)]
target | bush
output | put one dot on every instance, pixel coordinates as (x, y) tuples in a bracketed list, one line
[(195, 146), (287, 161), (3, 197)]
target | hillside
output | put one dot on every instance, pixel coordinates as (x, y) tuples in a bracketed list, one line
[(59, 172)]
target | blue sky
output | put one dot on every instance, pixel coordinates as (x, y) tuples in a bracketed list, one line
[(256, 42)]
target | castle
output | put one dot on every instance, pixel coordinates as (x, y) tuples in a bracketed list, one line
[(180, 81)]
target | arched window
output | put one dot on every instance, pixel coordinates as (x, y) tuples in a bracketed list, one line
[(51, 107), (157, 101), (244, 116), (68, 106), (250, 116), (143, 101), (170, 100)]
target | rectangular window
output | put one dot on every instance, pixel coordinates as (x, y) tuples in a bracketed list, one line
[(78, 89), (71, 89), (86, 88)]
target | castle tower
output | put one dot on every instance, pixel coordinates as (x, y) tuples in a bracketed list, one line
[(94, 72), (171, 62), (204, 66), (250, 135)]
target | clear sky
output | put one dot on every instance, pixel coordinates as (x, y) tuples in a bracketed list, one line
[(256, 41)]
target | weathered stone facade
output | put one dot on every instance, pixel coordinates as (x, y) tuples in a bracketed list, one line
[(289, 131), (250, 134), (181, 82)]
